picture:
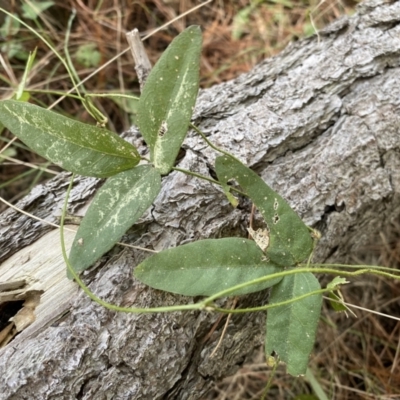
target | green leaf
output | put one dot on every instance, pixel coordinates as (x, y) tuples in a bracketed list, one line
[(14, 49), (290, 239), (231, 198), (168, 98), (291, 328), (241, 22), (77, 147), (10, 27), (32, 9), (119, 203), (336, 302), (336, 282), (88, 55), (207, 267), (8, 152)]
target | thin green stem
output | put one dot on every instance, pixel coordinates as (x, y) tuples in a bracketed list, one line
[(271, 305), (282, 274), (96, 114), (269, 383), (51, 47), (18, 177), (195, 174), (28, 67), (111, 95), (212, 145), (73, 96), (375, 267), (316, 387), (207, 303), (66, 50), (96, 299)]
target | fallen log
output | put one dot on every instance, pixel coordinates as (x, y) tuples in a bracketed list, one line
[(319, 122)]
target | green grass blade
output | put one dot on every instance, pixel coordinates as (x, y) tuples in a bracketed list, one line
[(28, 67), (77, 147), (119, 203), (316, 386), (43, 39), (168, 97)]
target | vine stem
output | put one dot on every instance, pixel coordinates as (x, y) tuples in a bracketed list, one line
[(293, 271), (207, 304), (212, 145), (216, 148), (51, 47), (195, 174), (103, 303)]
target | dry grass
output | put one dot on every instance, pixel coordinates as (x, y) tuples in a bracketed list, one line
[(237, 35), (354, 358)]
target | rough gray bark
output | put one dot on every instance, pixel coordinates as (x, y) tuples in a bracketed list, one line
[(320, 123)]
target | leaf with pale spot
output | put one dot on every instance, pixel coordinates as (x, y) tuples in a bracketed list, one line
[(119, 203), (77, 147), (207, 267), (291, 328), (168, 98), (290, 240)]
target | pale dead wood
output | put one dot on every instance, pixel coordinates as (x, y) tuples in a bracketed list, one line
[(41, 268), (320, 123)]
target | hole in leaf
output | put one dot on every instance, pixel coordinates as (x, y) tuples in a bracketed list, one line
[(275, 219)]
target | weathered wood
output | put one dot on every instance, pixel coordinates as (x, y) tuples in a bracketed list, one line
[(42, 268), (142, 62), (320, 123)]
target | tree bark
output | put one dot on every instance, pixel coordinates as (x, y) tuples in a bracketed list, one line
[(319, 122)]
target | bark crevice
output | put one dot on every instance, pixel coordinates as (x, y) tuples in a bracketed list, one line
[(320, 123)]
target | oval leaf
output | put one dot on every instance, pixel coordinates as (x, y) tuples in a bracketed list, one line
[(119, 203), (207, 267), (290, 239), (291, 329), (77, 147), (168, 97)]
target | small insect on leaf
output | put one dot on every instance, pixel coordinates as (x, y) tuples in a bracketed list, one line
[(166, 104), (163, 129)]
